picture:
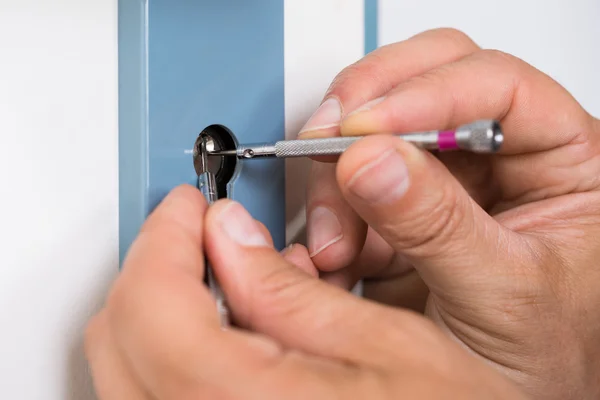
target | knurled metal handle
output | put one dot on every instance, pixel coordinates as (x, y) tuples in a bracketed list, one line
[(314, 147)]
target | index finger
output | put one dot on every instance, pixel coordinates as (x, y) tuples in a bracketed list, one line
[(536, 113), (379, 72), (386, 67)]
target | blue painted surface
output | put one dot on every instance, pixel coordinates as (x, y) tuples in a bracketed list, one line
[(207, 62), (371, 25), (133, 159)]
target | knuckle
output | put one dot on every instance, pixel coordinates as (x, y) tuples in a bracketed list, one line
[(497, 57), (365, 73), (456, 37), (433, 223), (345, 75), (282, 292), (438, 80), (435, 77)]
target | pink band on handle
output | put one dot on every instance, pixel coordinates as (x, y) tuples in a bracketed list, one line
[(447, 140)]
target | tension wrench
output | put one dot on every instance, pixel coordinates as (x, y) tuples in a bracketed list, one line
[(207, 184), (483, 136)]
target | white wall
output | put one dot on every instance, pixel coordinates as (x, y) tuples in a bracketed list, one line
[(321, 38), (561, 38), (58, 191), (58, 145)]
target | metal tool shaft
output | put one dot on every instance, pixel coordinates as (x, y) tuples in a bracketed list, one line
[(483, 136), (208, 187)]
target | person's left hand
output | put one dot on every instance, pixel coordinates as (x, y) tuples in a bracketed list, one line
[(158, 337)]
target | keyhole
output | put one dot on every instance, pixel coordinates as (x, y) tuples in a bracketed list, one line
[(218, 137)]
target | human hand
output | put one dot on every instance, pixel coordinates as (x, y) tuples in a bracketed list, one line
[(503, 247), (158, 336)]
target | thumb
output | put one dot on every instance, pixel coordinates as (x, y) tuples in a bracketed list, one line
[(420, 209), (270, 295)]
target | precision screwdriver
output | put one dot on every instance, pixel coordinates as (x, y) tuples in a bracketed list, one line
[(483, 136)]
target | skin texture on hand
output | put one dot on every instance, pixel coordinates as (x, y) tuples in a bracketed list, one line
[(499, 251), (296, 337)]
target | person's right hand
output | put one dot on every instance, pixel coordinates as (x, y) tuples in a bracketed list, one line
[(504, 247)]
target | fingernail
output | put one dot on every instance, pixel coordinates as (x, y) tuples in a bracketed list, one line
[(324, 229), (383, 180), (240, 227), (367, 106), (287, 249), (328, 115)]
